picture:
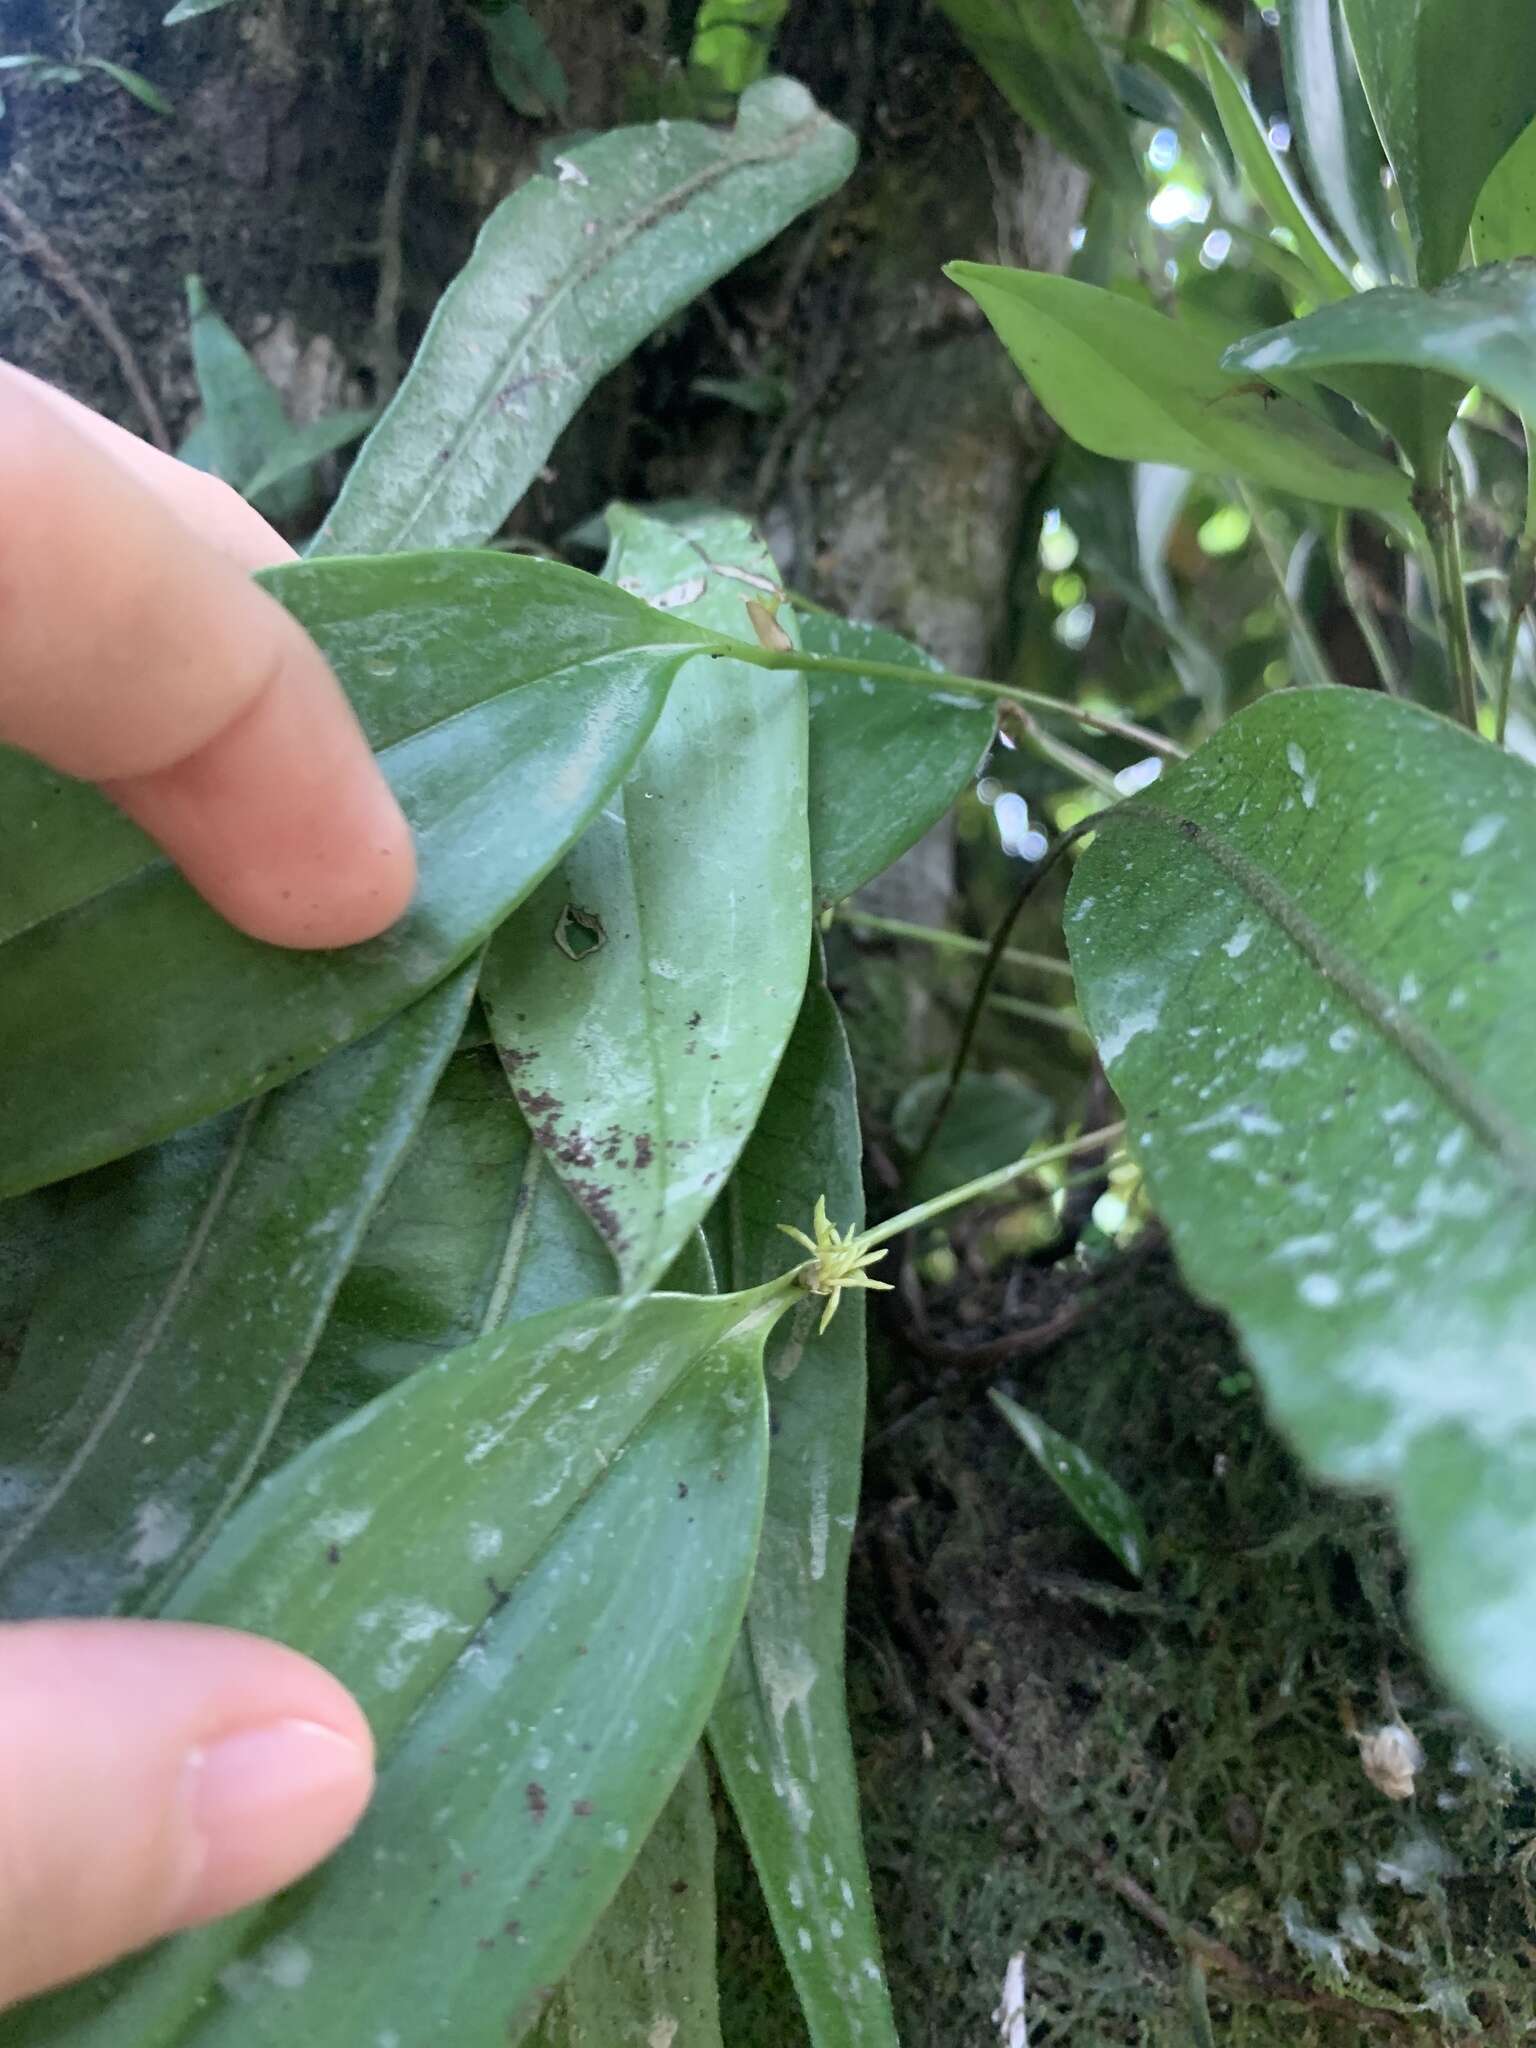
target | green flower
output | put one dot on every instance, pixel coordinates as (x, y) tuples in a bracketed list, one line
[(839, 1261)]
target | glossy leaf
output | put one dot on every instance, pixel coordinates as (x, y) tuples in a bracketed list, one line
[(507, 696), (779, 1730), (1041, 56), (993, 1118), (155, 1369), (647, 1974), (1191, 93), (641, 998), (1127, 382), (1504, 224), (1451, 83), (582, 1496), (1271, 181), (887, 761), (568, 277), (476, 1232), (1479, 328), (1334, 130), (188, 10), (1306, 958), (1102, 1504)]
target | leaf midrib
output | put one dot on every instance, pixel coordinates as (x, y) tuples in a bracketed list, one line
[(1460, 1093), (214, 1204), (679, 652), (608, 246)]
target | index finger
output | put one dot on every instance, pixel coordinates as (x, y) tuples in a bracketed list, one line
[(136, 655)]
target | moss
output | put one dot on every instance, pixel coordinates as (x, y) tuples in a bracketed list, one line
[(1191, 1732)]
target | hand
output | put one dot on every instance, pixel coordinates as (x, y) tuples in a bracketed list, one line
[(156, 1774)]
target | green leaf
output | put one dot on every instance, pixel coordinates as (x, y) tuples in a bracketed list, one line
[(779, 1730), (1192, 94), (1043, 59), (887, 761), (1102, 1504), (1451, 83), (303, 446), (476, 1232), (733, 40), (527, 72), (134, 1420), (528, 690), (1272, 183), (1478, 328), (132, 83), (647, 1974), (582, 1496), (643, 995), (1126, 382), (1306, 959), (1504, 224), (992, 1119), (568, 277), (243, 423), (1334, 130)]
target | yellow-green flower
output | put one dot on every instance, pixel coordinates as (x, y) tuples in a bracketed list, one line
[(838, 1261)]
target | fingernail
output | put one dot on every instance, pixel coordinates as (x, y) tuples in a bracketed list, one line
[(263, 1807)]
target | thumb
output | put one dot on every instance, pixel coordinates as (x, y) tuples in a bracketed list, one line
[(154, 1775)]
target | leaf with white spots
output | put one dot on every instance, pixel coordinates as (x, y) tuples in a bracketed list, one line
[(641, 998), (581, 1496), (1309, 962), (568, 277), (779, 1730), (1102, 1503), (187, 1288), (505, 698), (647, 1976)]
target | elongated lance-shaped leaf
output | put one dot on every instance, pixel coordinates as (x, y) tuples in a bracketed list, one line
[(1504, 223), (642, 997), (243, 424), (780, 1730), (1101, 1502), (1127, 382), (1451, 83), (301, 447), (569, 276), (647, 1973), (529, 1563), (1307, 961), (1041, 56), (1337, 137), (1478, 328), (886, 760), (1271, 181), (476, 1231), (155, 1369), (506, 698)]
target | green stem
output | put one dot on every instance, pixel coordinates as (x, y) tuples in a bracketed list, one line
[(1036, 1013), (1065, 756), (1445, 545), (951, 942), (1302, 629), (940, 680), (984, 1184), (1362, 611), (988, 974)]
